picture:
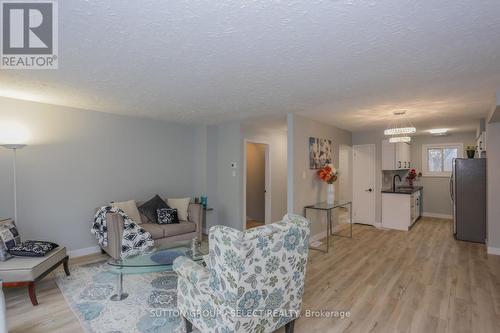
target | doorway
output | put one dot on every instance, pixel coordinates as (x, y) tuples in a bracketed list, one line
[(256, 184), (363, 184)]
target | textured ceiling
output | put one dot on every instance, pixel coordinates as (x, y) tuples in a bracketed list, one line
[(350, 63)]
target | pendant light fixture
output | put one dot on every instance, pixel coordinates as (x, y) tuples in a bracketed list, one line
[(399, 128)]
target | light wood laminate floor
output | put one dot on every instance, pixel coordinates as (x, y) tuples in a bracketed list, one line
[(390, 281)]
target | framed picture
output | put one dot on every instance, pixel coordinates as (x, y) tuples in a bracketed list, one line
[(320, 153)]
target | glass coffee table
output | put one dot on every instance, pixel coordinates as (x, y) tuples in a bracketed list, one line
[(159, 259)]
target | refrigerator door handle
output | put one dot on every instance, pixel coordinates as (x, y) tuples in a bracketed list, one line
[(451, 189)]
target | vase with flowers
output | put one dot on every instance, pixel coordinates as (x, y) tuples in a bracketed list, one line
[(412, 176), (329, 174)]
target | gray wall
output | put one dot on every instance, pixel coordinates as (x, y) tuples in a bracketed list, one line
[(256, 182), (78, 160), (436, 198), (224, 190), (493, 176), (307, 189), (275, 134)]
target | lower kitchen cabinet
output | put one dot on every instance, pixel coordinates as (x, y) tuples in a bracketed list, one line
[(400, 210)]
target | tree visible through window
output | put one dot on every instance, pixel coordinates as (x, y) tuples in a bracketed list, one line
[(438, 159)]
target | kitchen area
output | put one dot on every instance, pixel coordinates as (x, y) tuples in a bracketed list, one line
[(401, 201), (450, 169)]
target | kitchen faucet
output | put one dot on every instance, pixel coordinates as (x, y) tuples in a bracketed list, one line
[(394, 182)]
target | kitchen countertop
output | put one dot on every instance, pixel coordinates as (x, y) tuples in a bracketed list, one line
[(403, 190)]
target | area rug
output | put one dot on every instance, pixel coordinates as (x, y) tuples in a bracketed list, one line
[(150, 307)]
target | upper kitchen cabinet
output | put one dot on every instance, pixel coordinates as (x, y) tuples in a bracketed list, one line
[(396, 156)]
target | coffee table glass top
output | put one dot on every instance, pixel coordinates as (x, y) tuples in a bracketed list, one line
[(159, 259)]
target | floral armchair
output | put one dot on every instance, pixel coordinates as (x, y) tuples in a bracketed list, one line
[(253, 282)]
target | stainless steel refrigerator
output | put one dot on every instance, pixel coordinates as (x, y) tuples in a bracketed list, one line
[(468, 193)]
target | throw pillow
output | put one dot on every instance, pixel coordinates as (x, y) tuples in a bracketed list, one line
[(9, 235), (129, 208), (4, 255), (167, 216), (182, 206), (31, 248), (150, 207)]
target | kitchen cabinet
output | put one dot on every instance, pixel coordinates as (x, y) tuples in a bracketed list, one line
[(396, 156), (400, 210), (481, 145)]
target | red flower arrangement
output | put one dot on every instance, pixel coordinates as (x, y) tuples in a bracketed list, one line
[(412, 175), (328, 174)]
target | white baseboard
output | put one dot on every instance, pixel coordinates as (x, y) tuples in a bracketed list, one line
[(84, 252), (493, 250), (438, 216)]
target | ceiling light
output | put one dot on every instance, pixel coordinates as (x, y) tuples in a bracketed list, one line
[(400, 139), (399, 128), (11, 133), (438, 131)]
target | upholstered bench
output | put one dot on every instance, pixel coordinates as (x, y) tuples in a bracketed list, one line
[(25, 271)]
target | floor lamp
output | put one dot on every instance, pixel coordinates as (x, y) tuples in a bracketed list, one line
[(14, 148)]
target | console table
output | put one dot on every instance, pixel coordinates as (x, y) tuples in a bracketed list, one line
[(323, 206)]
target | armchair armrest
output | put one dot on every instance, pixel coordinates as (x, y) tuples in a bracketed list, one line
[(193, 272), (115, 233), (195, 215)]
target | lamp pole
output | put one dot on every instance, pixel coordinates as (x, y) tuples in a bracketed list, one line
[(14, 148)]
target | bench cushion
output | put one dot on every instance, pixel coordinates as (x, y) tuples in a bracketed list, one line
[(29, 268)]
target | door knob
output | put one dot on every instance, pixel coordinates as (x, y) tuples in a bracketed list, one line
[(369, 190)]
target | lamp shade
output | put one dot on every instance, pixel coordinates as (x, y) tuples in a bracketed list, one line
[(13, 134)]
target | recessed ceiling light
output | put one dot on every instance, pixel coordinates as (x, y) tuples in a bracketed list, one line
[(438, 131)]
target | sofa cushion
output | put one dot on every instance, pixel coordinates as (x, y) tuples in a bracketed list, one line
[(150, 207), (129, 208), (154, 229), (182, 205), (184, 227)]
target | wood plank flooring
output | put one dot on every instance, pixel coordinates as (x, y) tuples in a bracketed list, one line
[(254, 224), (390, 281)]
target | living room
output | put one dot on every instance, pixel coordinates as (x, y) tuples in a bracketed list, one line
[(127, 200)]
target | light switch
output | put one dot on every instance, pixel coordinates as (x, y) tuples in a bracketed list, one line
[(233, 165), (234, 173), (303, 175)]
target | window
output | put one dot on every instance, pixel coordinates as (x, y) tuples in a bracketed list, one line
[(437, 160)]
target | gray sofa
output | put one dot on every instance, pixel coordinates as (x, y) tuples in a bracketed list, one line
[(163, 234)]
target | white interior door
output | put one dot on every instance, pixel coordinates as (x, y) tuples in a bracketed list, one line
[(364, 184)]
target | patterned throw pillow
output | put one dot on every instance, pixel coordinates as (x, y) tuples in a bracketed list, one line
[(4, 255), (32, 248), (9, 235), (167, 216)]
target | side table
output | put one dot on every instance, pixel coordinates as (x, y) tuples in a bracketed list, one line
[(323, 206)]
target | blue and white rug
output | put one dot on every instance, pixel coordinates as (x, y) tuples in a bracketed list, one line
[(150, 307)]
